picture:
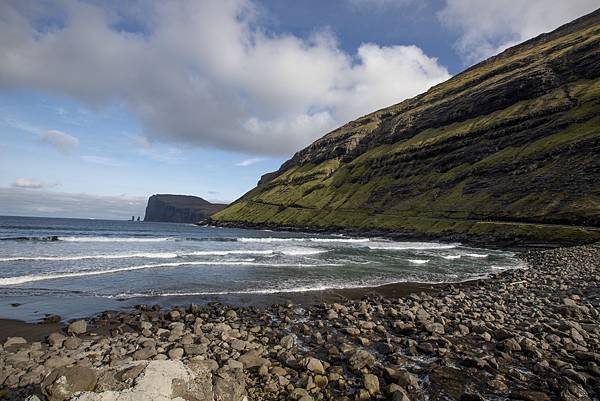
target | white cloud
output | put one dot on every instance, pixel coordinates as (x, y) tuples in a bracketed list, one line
[(205, 73), (63, 142), (250, 162), (28, 183), (489, 27)]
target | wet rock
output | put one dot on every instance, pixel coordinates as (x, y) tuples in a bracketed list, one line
[(315, 365), (528, 395), (361, 358), (78, 327), (371, 383)]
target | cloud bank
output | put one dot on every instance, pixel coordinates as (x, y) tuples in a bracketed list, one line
[(25, 202), (205, 73), (487, 28)]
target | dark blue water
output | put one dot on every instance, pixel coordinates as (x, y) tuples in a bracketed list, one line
[(79, 267)]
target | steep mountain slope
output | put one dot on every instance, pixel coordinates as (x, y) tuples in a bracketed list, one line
[(179, 208), (509, 148)]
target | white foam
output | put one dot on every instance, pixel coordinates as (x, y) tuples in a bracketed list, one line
[(302, 251), (244, 262), (349, 240), (451, 257), (268, 240), (477, 255), (324, 240), (229, 252), (418, 261), (238, 292), (400, 246), (158, 255), (113, 239)]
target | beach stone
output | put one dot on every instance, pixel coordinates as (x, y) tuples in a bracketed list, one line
[(174, 315), (62, 383), (160, 381), (176, 353), (238, 345), (252, 359), (77, 327), (371, 383), (407, 379), (195, 349), (361, 358), (14, 341), (528, 395), (315, 365), (72, 343), (435, 328), (144, 354), (56, 340), (287, 342), (57, 362), (229, 385), (400, 395)]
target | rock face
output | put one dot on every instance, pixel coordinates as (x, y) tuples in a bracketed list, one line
[(507, 148), (179, 209)]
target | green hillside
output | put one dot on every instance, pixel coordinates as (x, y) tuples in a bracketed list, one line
[(508, 149)]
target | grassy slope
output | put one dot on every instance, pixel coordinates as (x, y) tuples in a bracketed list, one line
[(525, 170)]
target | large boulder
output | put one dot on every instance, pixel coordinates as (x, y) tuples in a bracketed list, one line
[(63, 382)]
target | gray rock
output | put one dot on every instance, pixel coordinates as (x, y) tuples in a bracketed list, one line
[(62, 383), (78, 327)]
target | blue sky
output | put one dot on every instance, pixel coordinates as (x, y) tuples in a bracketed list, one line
[(103, 103)]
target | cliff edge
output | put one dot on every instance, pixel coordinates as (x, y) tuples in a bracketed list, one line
[(179, 208)]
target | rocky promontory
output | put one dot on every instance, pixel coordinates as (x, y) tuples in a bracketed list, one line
[(530, 334), (179, 209)]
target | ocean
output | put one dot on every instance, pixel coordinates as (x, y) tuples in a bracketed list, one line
[(79, 267)]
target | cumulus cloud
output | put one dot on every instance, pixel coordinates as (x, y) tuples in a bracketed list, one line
[(205, 73), (488, 27), (61, 141), (27, 183), (23, 202)]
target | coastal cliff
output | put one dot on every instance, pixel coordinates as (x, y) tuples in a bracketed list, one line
[(179, 209), (507, 149)]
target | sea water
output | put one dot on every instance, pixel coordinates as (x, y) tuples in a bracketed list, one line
[(77, 267)]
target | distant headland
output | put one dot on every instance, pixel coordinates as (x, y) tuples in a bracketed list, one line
[(179, 208)]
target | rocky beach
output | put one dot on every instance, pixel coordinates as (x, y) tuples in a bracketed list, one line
[(529, 334)]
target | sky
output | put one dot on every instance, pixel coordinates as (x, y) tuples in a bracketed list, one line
[(104, 103)]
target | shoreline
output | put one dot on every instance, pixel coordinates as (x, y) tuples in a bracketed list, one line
[(260, 300), (523, 334), (488, 241)]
